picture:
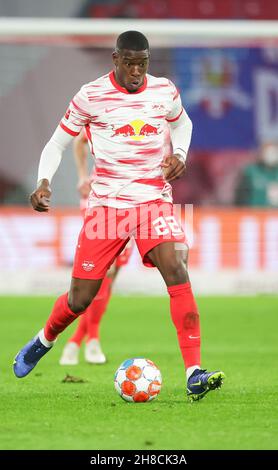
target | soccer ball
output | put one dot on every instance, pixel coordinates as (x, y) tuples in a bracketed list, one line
[(138, 380)]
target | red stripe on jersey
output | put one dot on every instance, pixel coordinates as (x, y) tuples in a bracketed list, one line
[(100, 124), (109, 98), (122, 198), (69, 131), (158, 182), (155, 87), (80, 109), (176, 95), (176, 118), (112, 92), (89, 86), (104, 171), (132, 161), (88, 132), (148, 151)]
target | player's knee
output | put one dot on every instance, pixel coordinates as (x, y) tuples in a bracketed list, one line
[(79, 304), (184, 256), (177, 273), (179, 261)]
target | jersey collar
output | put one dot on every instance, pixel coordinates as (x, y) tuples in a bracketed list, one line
[(124, 90)]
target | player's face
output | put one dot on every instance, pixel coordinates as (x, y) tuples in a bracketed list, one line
[(131, 68)]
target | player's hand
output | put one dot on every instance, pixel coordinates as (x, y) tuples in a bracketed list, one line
[(40, 198), (173, 167), (84, 187)]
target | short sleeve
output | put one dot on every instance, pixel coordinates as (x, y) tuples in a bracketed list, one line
[(176, 104), (77, 115)]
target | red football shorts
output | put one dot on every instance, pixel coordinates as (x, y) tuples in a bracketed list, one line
[(106, 231), (124, 256)]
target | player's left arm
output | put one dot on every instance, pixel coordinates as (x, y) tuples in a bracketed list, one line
[(180, 131)]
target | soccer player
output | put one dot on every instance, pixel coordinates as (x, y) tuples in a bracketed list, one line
[(89, 323), (126, 113)]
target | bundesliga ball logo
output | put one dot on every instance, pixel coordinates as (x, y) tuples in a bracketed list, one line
[(138, 380)]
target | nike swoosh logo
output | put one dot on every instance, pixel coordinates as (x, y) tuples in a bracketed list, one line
[(196, 384), (193, 337), (109, 110)]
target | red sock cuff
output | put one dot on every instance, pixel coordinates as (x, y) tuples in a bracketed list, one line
[(61, 316), (179, 289)]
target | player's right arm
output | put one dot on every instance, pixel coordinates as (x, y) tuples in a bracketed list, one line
[(49, 162), (76, 117)]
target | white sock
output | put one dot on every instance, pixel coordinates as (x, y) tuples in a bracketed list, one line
[(44, 341), (190, 370)]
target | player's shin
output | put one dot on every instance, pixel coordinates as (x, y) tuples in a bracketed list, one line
[(185, 316), (97, 308), (61, 317)]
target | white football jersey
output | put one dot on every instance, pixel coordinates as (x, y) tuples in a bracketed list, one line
[(127, 134)]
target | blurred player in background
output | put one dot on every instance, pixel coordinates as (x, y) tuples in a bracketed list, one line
[(89, 323), (126, 111), (257, 184)]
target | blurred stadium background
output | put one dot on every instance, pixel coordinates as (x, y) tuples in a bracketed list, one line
[(228, 77)]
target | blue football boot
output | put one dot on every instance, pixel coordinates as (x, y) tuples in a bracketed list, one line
[(201, 382), (29, 356)]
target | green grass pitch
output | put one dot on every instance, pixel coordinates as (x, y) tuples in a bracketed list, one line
[(239, 337)]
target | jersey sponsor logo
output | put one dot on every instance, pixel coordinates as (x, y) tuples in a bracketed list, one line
[(158, 107), (136, 129), (88, 265)]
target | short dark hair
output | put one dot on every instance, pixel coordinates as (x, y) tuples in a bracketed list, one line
[(132, 40)]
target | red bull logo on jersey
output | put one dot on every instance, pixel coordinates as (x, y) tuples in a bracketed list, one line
[(136, 130)]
